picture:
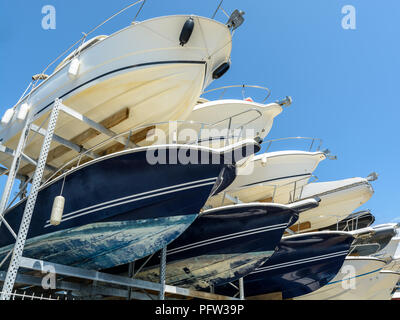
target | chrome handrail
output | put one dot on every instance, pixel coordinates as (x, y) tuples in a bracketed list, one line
[(243, 86), (292, 194), (85, 35), (175, 128), (34, 83), (239, 114), (275, 186), (350, 222), (109, 139), (313, 140)]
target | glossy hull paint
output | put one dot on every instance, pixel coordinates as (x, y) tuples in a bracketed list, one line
[(338, 200), (104, 244), (141, 67), (223, 245), (109, 191), (271, 177), (301, 264), (354, 281), (384, 286)]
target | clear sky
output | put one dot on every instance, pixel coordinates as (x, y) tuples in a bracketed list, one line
[(344, 82)]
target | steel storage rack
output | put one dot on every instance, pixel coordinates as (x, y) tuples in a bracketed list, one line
[(103, 284)]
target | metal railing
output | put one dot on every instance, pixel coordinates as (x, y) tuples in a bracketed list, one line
[(276, 188), (312, 142), (34, 84), (294, 195), (78, 45), (31, 296), (171, 134), (352, 223), (243, 86), (231, 131)]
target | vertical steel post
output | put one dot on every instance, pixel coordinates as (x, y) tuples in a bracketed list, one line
[(163, 262), (30, 205), (14, 168), (241, 289), (131, 275)]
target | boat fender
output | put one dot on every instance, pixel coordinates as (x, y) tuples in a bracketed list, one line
[(57, 210), (221, 70), (186, 32), (264, 160), (23, 111), (74, 68), (8, 115)]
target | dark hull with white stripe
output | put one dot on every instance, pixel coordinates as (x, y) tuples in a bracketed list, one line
[(223, 245), (301, 264), (114, 203)]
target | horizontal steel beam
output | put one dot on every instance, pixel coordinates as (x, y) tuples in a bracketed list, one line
[(85, 291), (37, 265), (64, 142), (233, 199), (11, 153), (95, 125), (19, 176)]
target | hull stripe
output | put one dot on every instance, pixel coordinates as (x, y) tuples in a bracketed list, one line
[(227, 237), (301, 261), (133, 198), (122, 69), (276, 179), (360, 275)]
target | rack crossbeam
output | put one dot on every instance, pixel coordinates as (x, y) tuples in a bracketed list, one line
[(37, 265), (64, 142), (95, 125)]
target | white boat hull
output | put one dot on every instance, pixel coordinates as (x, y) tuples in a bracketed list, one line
[(384, 286), (230, 120), (141, 68), (270, 177), (358, 279), (338, 200)]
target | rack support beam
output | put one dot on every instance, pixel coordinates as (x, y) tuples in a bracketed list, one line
[(94, 125), (37, 265), (30, 205)]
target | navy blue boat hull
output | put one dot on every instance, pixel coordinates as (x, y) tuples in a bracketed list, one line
[(301, 264), (120, 189), (223, 245)]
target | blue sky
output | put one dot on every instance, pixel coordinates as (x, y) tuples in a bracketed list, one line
[(343, 82)]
